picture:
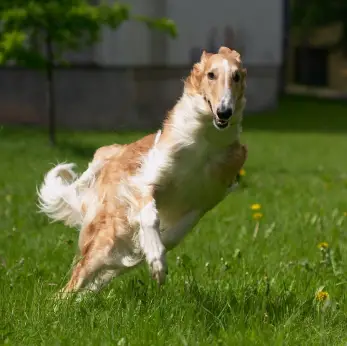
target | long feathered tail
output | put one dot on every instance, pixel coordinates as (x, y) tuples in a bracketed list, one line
[(61, 193)]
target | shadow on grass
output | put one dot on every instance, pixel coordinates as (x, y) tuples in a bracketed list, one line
[(295, 114), (216, 309), (85, 144), (82, 144), (84, 151), (301, 114)]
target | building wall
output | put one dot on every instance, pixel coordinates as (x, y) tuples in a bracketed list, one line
[(336, 64), (139, 72), (256, 26)]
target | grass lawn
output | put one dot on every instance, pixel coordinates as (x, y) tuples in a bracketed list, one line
[(224, 286)]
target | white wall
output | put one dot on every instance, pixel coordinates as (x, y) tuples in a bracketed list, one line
[(257, 25), (130, 44)]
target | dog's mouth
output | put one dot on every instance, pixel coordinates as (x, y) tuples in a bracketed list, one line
[(218, 123)]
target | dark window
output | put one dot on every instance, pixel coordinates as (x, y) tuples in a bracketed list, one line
[(311, 66)]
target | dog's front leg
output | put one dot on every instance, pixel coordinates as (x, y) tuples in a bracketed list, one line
[(150, 242)]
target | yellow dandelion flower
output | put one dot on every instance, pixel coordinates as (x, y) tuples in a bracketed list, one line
[(256, 206), (321, 296), (242, 172), (257, 216), (323, 245)]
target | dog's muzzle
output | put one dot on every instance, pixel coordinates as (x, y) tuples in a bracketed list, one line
[(221, 120)]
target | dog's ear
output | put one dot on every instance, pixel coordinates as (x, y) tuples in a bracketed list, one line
[(236, 55), (194, 79), (243, 79), (224, 50), (229, 52), (204, 57), (198, 68)]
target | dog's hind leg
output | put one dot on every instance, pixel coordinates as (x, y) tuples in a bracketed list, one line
[(96, 246), (84, 272), (103, 278), (94, 274)]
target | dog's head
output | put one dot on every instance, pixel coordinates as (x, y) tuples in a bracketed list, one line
[(220, 79)]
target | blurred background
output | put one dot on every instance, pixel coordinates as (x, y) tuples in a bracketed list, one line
[(127, 76)]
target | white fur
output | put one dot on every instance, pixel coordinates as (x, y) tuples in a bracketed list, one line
[(227, 97), (189, 117), (150, 241), (61, 194), (198, 142)]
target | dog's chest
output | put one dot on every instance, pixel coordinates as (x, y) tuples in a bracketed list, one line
[(194, 182)]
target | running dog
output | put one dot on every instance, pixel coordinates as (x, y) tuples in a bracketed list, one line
[(137, 201)]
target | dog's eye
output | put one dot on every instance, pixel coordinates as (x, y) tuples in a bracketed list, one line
[(211, 75), (236, 77)]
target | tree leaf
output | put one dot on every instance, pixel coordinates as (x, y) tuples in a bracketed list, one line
[(69, 24), (161, 24)]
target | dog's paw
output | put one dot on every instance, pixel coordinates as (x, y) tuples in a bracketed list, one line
[(159, 270), (60, 295), (59, 299)]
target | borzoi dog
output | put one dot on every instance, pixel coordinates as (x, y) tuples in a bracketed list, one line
[(139, 200)]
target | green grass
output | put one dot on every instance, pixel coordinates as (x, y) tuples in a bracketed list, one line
[(224, 287)]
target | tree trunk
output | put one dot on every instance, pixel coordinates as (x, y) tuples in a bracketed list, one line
[(285, 47), (50, 90)]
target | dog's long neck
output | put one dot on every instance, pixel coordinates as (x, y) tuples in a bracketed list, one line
[(190, 122)]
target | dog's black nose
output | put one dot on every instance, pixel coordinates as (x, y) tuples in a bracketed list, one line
[(224, 113)]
